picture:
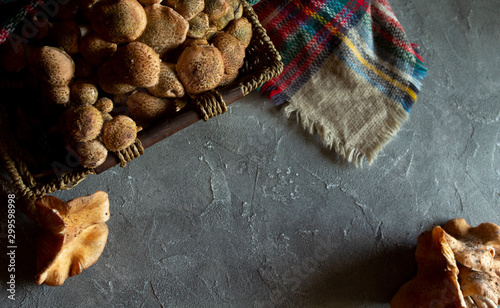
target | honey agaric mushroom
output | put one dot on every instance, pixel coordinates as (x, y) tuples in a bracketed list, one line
[(198, 26), (91, 154), (95, 49), (82, 123), (166, 29), (200, 68), (110, 81), (66, 36), (84, 93), (73, 237), (216, 9), (169, 84), (52, 65), (137, 64), (56, 94), (187, 8), (233, 53), (145, 108), (119, 133), (118, 21), (436, 282)]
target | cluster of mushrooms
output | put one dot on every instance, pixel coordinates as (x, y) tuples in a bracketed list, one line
[(457, 266), (119, 65)]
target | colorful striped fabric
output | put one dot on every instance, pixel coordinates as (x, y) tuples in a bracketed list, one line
[(365, 38)]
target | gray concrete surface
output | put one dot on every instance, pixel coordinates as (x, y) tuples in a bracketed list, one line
[(247, 210)]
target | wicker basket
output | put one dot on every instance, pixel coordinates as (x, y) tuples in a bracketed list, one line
[(262, 63)]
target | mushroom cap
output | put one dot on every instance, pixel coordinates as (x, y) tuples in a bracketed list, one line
[(73, 237), (149, 2), (66, 36), (56, 94), (200, 68), (145, 108), (241, 29), (52, 65), (118, 21), (437, 274), (110, 81), (104, 104), (119, 133), (91, 154), (237, 8), (166, 29), (233, 53), (84, 93), (198, 26), (137, 64), (216, 9), (222, 22), (187, 8), (83, 123), (95, 49), (169, 84)]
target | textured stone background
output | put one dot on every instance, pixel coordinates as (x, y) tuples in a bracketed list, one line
[(247, 210)]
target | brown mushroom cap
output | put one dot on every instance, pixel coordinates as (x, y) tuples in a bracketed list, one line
[(166, 29), (200, 68), (66, 36), (104, 104), (241, 29), (233, 53), (91, 153), (198, 26), (84, 93), (187, 8), (73, 237), (222, 22), (110, 82), (137, 64), (83, 123), (145, 108), (95, 49), (237, 8), (118, 21), (169, 84), (119, 133), (149, 2), (216, 9), (52, 65), (57, 94)]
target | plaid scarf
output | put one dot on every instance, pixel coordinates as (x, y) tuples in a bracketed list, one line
[(350, 72)]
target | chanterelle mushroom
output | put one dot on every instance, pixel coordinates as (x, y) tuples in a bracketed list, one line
[(473, 252), (73, 237)]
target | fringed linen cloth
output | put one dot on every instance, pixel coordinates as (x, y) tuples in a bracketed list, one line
[(350, 74)]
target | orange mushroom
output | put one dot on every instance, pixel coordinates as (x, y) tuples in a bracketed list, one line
[(73, 237)]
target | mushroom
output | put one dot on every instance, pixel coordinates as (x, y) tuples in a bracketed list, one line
[(472, 250), (145, 108), (119, 21), (233, 53), (73, 236), (111, 82), (52, 65), (200, 68), (187, 8), (237, 8), (242, 30), (222, 22), (84, 93), (91, 154), (198, 26), (104, 104), (137, 64), (66, 36), (169, 84), (95, 49), (82, 123), (59, 95), (119, 133), (216, 9), (166, 29), (436, 282)]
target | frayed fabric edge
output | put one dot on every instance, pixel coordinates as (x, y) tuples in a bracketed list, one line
[(345, 152)]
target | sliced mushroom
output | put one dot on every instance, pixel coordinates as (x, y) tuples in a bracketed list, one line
[(73, 237)]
